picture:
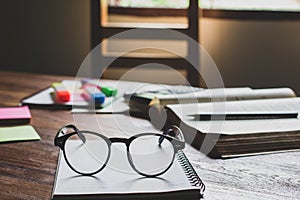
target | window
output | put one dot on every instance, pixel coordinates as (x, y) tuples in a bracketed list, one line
[(268, 5), (150, 3)]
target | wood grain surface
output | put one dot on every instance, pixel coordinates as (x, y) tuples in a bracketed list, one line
[(27, 169)]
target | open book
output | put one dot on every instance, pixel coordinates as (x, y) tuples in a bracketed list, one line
[(118, 181), (141, 102), (240, 137)]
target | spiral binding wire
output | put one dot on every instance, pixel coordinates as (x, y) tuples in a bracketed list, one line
[(190, 172)]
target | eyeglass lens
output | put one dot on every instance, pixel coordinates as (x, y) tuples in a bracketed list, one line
[(93, 153), (148, 157)]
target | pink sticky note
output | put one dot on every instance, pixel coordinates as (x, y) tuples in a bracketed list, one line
[(15, 115)]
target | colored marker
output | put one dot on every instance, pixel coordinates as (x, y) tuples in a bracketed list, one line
[(85, 81), (61, 93), (93, 94), (109, 91)]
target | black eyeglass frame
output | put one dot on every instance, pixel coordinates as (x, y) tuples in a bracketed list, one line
[(176, 138)]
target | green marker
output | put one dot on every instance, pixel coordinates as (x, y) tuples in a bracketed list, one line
[(109, 91)]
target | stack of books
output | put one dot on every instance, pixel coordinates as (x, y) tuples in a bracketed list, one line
[(231, 122)]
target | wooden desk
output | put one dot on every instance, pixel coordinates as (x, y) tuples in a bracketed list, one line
[(27, 169)]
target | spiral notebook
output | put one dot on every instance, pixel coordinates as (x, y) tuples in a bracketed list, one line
[(119, 181)]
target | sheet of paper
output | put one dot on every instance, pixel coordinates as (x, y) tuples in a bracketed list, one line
[(241, 126), (18, 133), (45, 98), (117, 105)]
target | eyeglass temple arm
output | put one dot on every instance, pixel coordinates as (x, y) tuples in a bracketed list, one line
[(75, 129), (173, 131)]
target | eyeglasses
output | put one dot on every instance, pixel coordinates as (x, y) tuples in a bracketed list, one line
[(149, 154)]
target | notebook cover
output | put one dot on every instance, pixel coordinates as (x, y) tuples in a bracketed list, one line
[(180, 181)]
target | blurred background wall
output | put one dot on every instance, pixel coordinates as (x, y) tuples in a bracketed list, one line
[(54, 37), (45, 36)]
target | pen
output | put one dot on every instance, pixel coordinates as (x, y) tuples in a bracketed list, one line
[(242, 116), (92, 93), (61, 93)]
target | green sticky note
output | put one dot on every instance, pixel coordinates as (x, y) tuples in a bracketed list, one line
[(109, 91), (18, 133)]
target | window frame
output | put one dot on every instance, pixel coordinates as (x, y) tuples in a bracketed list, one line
[(208, 13)]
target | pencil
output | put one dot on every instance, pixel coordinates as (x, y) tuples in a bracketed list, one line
[(246, 116)]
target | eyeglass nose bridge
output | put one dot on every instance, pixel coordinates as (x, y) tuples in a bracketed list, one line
[(126, 141)]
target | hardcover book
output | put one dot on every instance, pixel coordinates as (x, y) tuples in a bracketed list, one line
[(277, 130)]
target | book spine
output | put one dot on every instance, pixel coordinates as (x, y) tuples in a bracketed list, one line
[(190, 172)]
